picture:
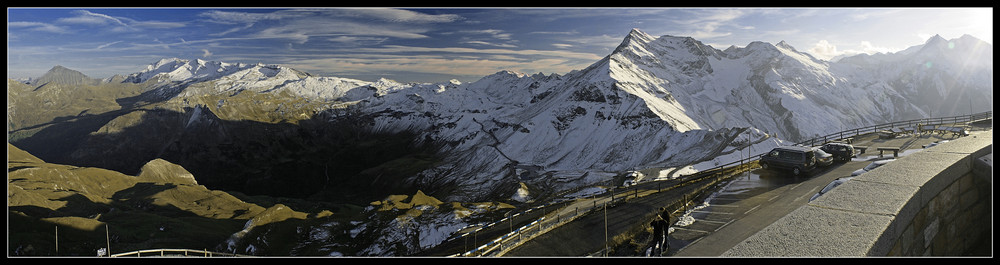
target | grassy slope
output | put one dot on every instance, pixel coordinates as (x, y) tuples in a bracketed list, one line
[(140, 212), (37, 107)]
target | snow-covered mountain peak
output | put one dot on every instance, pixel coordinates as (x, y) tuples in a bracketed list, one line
[(634, 37), (761, 48), (784, 45), (644, 45), (936, 40), (385, 82), (501, 76), (165, 62), (174, 69)]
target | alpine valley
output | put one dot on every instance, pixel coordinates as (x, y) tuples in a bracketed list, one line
[(267, 160)]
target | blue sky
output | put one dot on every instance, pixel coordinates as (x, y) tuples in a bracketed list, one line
[(434, 45)]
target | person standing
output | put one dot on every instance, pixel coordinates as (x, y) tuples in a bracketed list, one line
[(667, 220)]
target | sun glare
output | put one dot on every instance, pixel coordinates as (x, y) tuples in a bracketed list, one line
[(980, 24)]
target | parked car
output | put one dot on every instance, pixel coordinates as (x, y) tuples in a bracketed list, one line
[(833, 184), (935, 144), (872, 165), (840, 151), (633, 177), (823, 159), (798, 159)]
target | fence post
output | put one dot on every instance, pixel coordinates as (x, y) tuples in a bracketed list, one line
[(107, 236), (605, 229)]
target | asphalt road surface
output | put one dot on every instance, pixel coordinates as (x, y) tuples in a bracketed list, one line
[(761, 197), (748, 203)]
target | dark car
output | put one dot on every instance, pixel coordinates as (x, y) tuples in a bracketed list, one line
[(823, 158), (798, 159), (871, 166), (840, 151), (833, 184), (935, 143)]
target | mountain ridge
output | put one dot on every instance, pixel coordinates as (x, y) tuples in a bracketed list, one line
[(666, 84), (659, 103)]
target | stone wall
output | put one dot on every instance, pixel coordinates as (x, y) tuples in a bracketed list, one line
[(936, 202), (953, 223)]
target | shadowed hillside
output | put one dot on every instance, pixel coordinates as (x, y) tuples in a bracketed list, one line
[(90, 208), (280, 159)]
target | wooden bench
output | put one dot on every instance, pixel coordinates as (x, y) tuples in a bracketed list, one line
[(886, 134), (958, 131), (927, 128), (861, 148), (895, 151)]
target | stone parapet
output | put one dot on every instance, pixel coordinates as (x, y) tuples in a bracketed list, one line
[(936, 202)]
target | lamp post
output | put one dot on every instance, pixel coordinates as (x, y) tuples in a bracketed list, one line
[(510, 221), (749, 142)]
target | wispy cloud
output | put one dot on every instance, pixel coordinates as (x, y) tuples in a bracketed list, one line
[(301, 25), (502, 45), (157, 24), (430, 64), (460, 50), (87, 18), (707, 23), (108, 44), (493, 33), (229, 17), (826, 50), (91, 18), (452, 61), (37, 26)]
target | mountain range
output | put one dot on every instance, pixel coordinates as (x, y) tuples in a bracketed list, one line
[(666, 103)]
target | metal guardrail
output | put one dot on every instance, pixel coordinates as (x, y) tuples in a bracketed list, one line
[(167, 252), (915, 123), (501, 245), (908, 123), (510, 240)]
